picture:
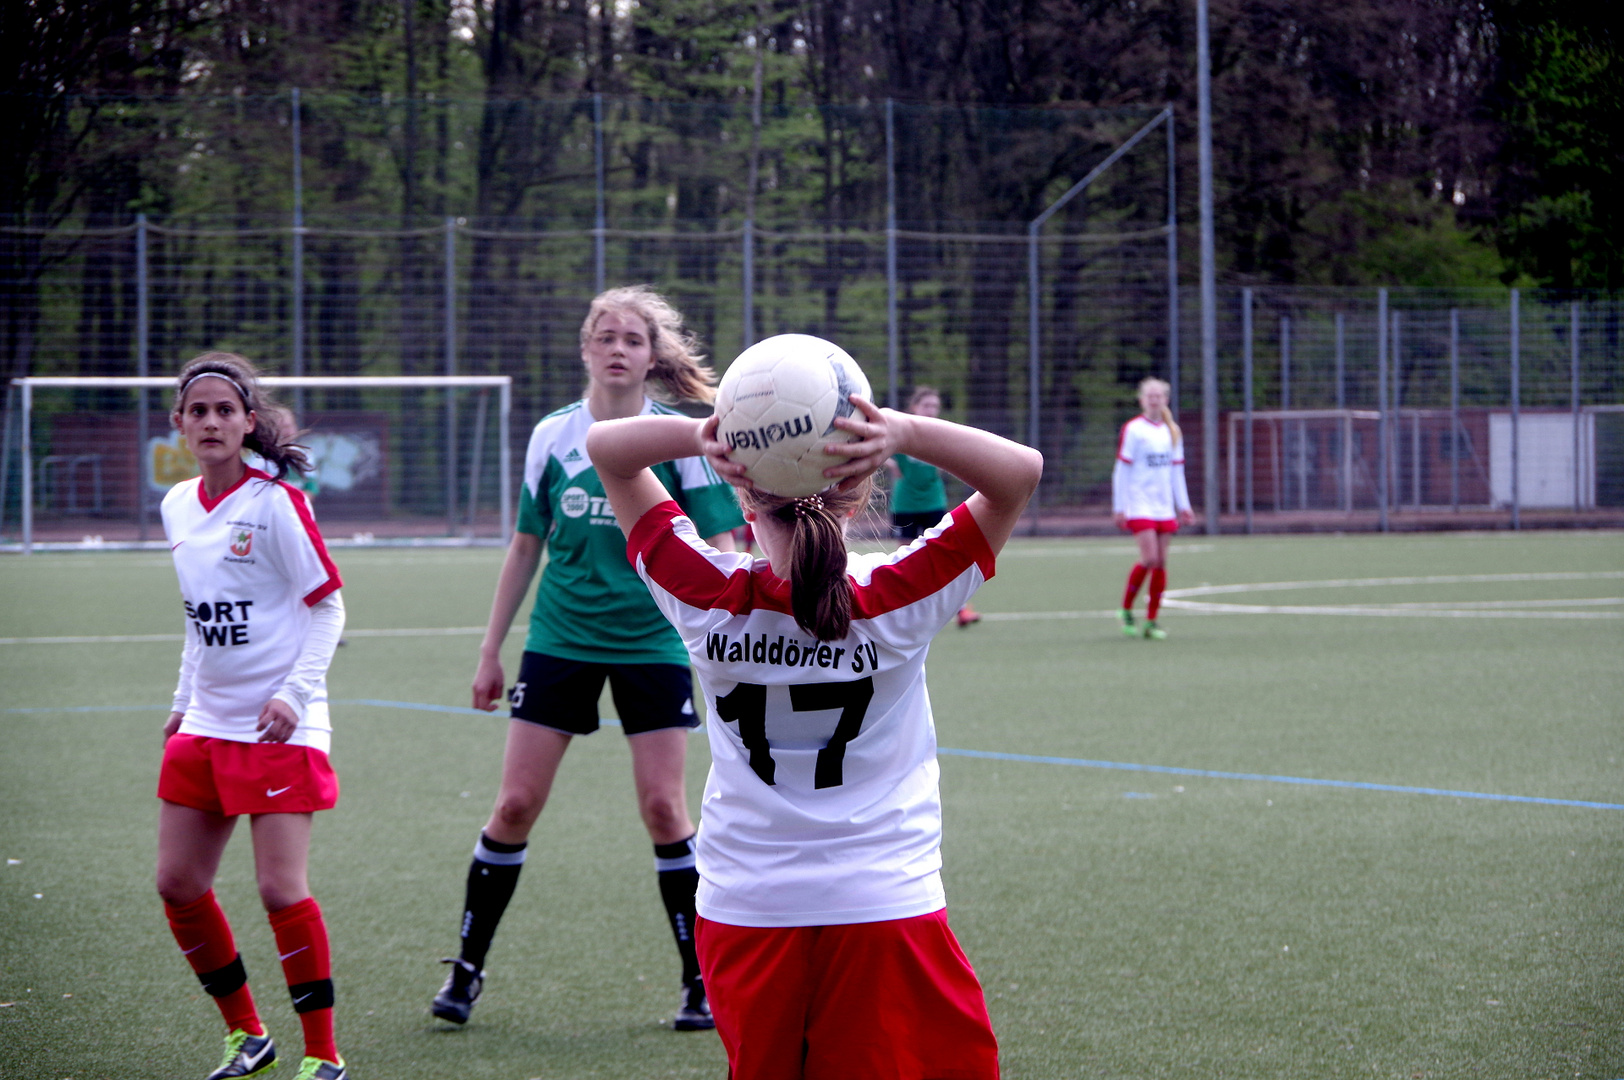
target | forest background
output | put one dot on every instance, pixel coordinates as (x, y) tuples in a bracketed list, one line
[(1425, 143)]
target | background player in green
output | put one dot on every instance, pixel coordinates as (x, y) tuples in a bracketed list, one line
[(918, 497), (593, 620)]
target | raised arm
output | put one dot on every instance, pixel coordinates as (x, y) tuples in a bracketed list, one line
[(623, 450), (1003, 473)]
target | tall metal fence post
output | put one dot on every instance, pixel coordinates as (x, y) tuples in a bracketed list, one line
[(143, 365), (1285, 361), (1395, 489), (1454, 409), (1516, 408), (1246, 399), (27, 456), (1573, 358), (1209, 274), (600, 269), (747, 313), (298, 258), (1341, 377), (1285, 442), (892, 330), (1381, 409), (1032, 309), (449, 299), (1172, 263), (504, 457)]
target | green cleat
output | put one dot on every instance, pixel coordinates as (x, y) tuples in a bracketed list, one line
[(246, 1055), (1126, 616), (1154, 632), (317, 1069)]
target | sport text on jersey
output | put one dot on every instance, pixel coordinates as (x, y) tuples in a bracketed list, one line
[(220, 622), (575, 501), (759, 649), (762, 438), (1158, 461)]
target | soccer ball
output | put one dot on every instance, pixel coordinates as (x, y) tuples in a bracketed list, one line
[(776, 406)]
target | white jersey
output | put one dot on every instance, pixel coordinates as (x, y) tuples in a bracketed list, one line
[(251, 564), (822, 805), (1148, 481)]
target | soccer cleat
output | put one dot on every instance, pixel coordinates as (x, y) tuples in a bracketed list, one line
[(1126, 616), (968, 615), (317, 1069), (462, 988), (694, 1013), (246, 1055), (1154, 632)]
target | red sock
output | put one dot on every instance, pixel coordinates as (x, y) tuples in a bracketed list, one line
[(1158, 582), (1136, 578), (301, 943), (204, 937)]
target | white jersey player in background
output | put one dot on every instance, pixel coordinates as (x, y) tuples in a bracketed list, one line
[(1149, 498), (823, 934), (249, 731)]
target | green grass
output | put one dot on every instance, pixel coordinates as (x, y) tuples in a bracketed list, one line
[(1124, 923)]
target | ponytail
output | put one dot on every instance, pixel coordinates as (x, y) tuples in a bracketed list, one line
[(819, 590), (274, 425), (1167, 412)]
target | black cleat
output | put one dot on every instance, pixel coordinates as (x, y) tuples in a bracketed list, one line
[(456, 998), (246, 1055), (694, 1014)]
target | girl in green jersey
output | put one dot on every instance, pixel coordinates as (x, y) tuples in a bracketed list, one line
[(593, 620)]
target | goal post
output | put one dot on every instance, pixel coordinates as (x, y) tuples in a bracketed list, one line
[(398, 458)]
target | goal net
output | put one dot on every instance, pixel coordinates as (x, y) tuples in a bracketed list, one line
[(86, 461)]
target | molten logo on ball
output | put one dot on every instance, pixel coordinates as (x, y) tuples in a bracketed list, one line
[(776, 406)]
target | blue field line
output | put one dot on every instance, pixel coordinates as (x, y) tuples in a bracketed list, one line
[(989, 755), (1214, 774)]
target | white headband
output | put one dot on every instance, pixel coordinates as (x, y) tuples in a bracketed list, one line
[(214, 375)]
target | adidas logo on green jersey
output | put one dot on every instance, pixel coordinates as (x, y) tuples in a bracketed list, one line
[(573, 455)]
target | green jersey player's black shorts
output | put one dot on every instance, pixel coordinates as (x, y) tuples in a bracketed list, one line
[(563, 694)]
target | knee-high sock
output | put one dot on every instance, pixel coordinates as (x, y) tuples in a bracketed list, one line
[(301, 943), (1158, 584), (1136, 578), (492, 876), (674, 864), (204, 937)]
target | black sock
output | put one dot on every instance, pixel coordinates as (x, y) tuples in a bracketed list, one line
[(492, 875), (674, 864)]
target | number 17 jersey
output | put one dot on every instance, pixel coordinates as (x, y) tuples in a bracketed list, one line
[(822, 806)]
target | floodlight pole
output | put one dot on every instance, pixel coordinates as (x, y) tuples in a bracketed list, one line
[(298, 256), (1034, 229), (601, 218), (143, 363), (1209, 280), (1172, 264), (892, 331)]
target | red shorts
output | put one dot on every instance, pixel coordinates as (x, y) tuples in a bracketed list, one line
[(894, 1000), (229, 778), (1139, 525)]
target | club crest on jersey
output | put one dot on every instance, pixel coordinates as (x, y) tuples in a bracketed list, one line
[(242, 542)]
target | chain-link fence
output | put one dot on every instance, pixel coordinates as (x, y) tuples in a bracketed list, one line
[(906, 233)]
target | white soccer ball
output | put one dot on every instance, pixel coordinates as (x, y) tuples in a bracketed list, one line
[(776, 406)]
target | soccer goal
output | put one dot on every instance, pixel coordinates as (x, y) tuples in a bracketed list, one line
[(399, 459)]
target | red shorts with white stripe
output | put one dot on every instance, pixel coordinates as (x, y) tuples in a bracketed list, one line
[(229, 778), (1140, 525), (894, 1000)]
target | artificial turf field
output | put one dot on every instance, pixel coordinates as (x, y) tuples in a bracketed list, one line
[(1125, 922)]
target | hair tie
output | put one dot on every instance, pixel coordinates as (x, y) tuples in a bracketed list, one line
[(215, 375), (805, 506)]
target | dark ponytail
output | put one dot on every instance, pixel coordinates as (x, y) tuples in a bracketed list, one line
[(819, 590), (274, 424)]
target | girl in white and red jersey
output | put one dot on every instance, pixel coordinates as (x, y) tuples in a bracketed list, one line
[(249, 732), (1149, 498), (822, 931)]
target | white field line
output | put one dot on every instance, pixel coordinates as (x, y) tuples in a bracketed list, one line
[(1344, 583), (1463, 609), (1197, 606), (124, 639), (1041, 550)]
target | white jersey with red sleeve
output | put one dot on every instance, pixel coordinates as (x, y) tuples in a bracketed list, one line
[(822, 805), (251, 564), (1148, 480)]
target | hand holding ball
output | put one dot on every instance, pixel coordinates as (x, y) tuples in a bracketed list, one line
[(776, 407)]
